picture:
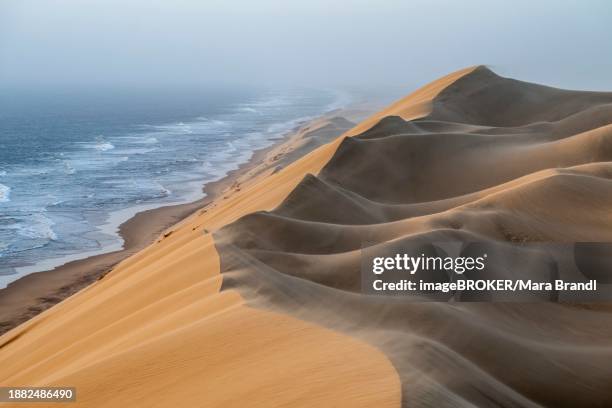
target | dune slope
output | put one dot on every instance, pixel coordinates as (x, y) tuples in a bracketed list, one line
[(522, 169), (256, 299), (156, 331)]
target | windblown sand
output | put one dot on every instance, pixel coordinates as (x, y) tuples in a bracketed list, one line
[(255, 300)]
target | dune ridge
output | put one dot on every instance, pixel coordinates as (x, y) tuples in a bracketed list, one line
[(523, 169), (156, 332), (255, 299)]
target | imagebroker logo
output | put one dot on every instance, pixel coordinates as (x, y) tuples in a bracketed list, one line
[(412, 264)]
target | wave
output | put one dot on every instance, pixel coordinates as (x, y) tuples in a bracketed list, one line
[(166, 192), (247, 109), (37, 226), (68, 167), (209, 146), (230, 145), (5, 192), (179, 128), (103, 146)]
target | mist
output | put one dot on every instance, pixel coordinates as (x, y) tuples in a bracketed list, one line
[(396, 44)]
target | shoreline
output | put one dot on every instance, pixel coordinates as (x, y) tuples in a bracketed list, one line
[(35, 292)]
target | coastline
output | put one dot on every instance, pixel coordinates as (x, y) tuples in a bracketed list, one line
[(35, 292)]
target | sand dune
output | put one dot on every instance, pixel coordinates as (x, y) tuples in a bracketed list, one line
[(156, 331), (256, 299), (497, 161)]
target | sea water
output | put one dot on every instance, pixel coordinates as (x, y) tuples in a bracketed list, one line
[(75, 163)]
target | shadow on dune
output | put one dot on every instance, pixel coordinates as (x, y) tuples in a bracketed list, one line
[(512, 166)]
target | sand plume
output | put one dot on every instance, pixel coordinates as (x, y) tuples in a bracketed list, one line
[(523, 170), (156, 331), (519, 169)]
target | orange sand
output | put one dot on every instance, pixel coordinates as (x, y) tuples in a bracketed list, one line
[(156, 331)]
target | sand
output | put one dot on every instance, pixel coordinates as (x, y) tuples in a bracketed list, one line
[(520, 169), (254, 300), (159, 315), (28, 296)]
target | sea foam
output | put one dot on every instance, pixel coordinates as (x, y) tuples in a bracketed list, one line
[(39, 227), (103, 146), (5, 192)]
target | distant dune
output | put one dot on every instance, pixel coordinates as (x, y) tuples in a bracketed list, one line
[(256, 299)]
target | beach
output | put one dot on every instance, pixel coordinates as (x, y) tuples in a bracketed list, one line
[(31, 294), (256, 297)]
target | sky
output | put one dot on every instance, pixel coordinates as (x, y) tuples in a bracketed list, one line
[(384, 43)]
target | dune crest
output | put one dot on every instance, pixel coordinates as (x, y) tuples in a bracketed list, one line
[(156, 331), (523, 169), (255, 299)]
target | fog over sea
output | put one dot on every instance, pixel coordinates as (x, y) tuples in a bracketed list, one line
[(75, 163)]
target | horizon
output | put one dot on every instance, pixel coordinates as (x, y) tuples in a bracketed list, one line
[(349, 44), (212, 203)]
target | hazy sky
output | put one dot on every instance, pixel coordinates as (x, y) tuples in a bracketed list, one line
[(310, 42)]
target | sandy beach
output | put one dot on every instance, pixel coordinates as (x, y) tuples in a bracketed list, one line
[(254, 298), (28, 296)]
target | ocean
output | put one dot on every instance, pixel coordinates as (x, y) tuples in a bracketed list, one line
[(76, 163)]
